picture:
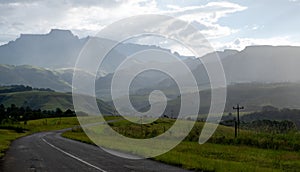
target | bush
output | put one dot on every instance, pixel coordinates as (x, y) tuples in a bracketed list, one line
[(18, 129)]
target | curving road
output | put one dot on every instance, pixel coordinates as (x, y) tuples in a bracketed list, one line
[(48, 151)]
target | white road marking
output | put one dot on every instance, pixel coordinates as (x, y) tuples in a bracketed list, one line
[(72, 156)]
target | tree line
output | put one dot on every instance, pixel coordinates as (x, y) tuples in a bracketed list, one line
[(274, 114), (22, 88), (13, 113), (268, 126)]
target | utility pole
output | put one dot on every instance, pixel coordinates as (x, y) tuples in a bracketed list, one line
[(235, 128), (238, 108), (141, 126)]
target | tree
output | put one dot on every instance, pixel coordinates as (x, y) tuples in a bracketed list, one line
[(68, 113), (2, 112), (13, 112), (59, 113)]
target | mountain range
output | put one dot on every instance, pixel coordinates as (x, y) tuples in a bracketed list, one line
[(60, 49), (47, 61)]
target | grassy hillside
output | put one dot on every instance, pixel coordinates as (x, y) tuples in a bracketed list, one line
[(38, 100), (253, 96), (256, 95), (44, 100), (33, 76)]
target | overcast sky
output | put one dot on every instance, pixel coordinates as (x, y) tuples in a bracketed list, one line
[(227, 24)]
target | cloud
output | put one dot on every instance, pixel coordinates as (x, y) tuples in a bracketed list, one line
[(103, 3), (207, 16), (209, 13), (85, 18), (89, 16)]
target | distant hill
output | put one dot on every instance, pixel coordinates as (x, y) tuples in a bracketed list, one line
[(256, 95), (45, 100), (279, 115), (263, 64), (253, 96), (33, 76)]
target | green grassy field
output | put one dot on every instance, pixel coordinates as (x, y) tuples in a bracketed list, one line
[(221, 153), (48, 124)]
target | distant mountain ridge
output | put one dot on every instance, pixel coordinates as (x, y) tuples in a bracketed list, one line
[(56, 49), (60, 49)]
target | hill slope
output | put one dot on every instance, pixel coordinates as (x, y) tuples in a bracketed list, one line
[(253, 96), (45, 100), (33, 76)]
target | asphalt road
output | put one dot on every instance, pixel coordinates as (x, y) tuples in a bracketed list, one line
[(48, 151)]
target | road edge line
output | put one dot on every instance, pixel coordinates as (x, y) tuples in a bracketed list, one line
[(73, 156)]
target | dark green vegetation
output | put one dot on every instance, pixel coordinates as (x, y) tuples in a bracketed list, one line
[(20, 88), (12, 131), (269, 112), (251, 151), (13, 114), (275, 127)]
